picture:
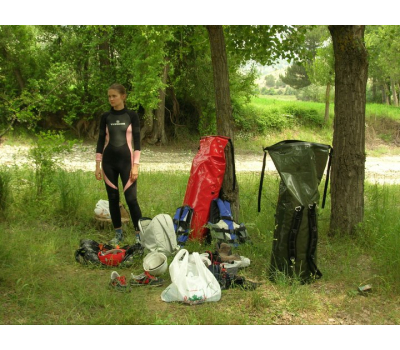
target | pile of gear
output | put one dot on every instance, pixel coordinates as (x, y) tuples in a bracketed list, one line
[(204, 215), (158, 240)]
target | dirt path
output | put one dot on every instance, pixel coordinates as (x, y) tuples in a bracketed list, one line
[(385, 169)]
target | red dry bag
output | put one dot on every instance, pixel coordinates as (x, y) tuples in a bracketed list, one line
[(205, 181)]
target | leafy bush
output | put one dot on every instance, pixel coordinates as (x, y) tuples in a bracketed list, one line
[(304, 115), (46, 156), (5, 190), (263, 114)]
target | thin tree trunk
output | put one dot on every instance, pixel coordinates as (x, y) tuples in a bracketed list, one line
[(374, 92), (158, 133), (398, 93), (394, 94), (385, 94), (348, 165), (104, 55), (148, 124), (224, 112), (16, 70)]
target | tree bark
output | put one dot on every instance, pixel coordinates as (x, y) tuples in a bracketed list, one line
[(158, 133), (104, 55), (394, 94), (385, 94), (15, 69), (223, 108), (148, 124), (374, 93), (398, 93), (327, 98), (348, 165)]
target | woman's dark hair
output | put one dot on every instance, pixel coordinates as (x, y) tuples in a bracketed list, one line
[(120, 88)]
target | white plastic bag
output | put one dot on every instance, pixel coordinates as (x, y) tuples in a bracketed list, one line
[(192, 282), (102, 209)]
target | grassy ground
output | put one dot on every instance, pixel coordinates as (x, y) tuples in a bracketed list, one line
[(40, 283)]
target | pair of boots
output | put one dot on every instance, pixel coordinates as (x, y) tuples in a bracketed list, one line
[(119, 237)]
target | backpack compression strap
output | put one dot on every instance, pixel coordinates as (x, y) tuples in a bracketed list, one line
[(294, 230), (233, 164), (262, 179), (182, 219), (182, 222), (313, 239), (225, 213), (327, 177)]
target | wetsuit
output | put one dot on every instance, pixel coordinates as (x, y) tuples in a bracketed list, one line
[(118, 148)]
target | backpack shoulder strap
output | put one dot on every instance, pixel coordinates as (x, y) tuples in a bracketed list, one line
[(262, 179)]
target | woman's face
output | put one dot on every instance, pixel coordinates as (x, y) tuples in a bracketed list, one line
[(116, 99)]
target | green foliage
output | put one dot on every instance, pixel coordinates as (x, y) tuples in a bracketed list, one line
[(265, 43), (314, 93), (5, 191), (46, 157), (379, 231), (142, 57), (269, 80), (322, 70), (54, 76), (296, 76), (264, 115)]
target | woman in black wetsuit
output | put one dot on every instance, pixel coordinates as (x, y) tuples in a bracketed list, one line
[(118, 154)]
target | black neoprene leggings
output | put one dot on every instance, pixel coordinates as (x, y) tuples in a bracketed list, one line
[(113, 167)]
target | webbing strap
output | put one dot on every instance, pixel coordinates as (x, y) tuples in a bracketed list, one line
[(262, 179), (294, 230), (233, 164), (313, 240), (182, 219), (327, 177)]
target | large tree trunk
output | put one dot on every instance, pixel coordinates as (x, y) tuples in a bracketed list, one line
[(327, 98), (224, 112), (348, 165)]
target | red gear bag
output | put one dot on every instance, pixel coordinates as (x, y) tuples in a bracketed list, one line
[(205, 181)]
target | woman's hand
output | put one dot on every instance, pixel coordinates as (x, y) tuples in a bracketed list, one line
[(98, 172), (134, 172)]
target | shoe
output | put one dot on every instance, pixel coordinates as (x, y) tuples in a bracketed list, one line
[(114, 242), (118, 282), (145, 279), (244, 283)]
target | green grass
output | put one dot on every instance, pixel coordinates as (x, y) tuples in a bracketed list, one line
[(40, 282), (268, 120)]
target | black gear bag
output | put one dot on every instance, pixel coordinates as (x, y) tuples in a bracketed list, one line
[(301, 167)]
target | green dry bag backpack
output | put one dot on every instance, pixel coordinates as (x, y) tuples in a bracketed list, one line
[(301, 167)]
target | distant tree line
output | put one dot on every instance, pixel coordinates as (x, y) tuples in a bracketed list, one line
[(309, 78)]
